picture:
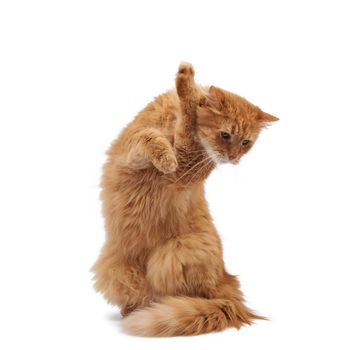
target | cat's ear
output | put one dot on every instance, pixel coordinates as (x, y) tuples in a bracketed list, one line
[(213, 99), (266, 117)]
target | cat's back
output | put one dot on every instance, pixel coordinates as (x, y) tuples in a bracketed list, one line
[(161, 113)]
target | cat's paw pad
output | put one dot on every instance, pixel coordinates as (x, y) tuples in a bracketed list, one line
[(166, 163), (186, 69)]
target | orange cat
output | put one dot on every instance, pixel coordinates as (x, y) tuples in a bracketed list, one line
[(162, 260)]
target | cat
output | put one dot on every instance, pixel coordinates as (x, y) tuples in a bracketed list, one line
[(162, 262)]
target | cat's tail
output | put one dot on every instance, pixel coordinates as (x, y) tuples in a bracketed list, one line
[(181, 315)]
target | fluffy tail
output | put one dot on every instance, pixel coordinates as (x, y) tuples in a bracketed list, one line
[(187, 316)]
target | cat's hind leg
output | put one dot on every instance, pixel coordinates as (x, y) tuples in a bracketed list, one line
[(181, 267), (121, 284)]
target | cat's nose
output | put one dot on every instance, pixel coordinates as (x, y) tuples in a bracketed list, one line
[(232, 156)]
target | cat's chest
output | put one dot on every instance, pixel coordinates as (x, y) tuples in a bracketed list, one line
[(176, 202), (166, 207)]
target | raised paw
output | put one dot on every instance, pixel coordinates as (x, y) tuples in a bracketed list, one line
[(186, 68), (185, 85), (166, 163)]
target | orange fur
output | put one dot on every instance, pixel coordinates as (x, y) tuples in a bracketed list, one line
[(162, 260)]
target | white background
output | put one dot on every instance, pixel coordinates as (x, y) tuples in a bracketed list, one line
[(73, 73)]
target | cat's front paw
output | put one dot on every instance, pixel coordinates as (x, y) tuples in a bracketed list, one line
[(185, 85), (186, 69), (166, 163)]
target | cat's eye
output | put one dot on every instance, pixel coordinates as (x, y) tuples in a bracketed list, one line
[(245, 142), (225, 135)]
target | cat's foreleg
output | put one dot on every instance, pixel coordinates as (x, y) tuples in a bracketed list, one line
[(151, 145), (190, 97)]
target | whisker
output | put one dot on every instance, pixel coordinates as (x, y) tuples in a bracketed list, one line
[(191, 168), (209, 160), (195, 154), (188, 184), (197, 151), (193, 160)]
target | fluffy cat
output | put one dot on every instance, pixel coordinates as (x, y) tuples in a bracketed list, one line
[(162, 261)]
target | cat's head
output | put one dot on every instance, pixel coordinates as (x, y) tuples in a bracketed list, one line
[(228, 125)]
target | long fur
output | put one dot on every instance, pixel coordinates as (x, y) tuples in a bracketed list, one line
[(162, 260), (175, 316)]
